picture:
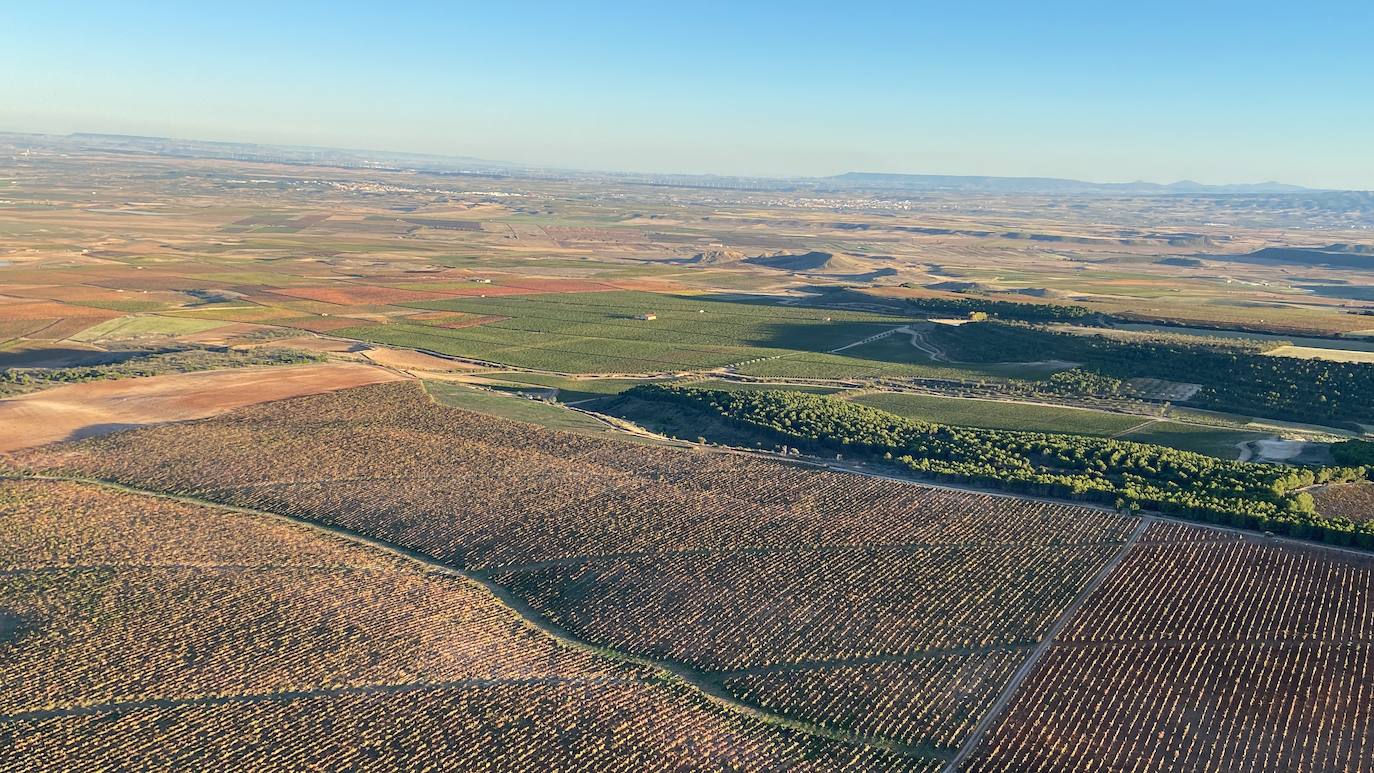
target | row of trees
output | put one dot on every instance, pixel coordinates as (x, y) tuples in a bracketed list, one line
[(1236, 376), (1030, 312), (1127, 474), (15, 381)]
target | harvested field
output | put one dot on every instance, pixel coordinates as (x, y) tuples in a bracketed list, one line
[(404, 359), (105, 406), (188, 636), (1205, 654)]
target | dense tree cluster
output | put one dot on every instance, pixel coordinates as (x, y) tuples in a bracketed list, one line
[(1078, 382), (1131, 475), (1354, 453), (1235, 376), (1031, 312)]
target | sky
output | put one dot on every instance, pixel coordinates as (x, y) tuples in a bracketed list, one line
[(1112, 90)]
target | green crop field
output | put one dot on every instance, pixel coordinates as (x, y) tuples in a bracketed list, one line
[(841, 366), (992, 414), (135, 327), (739, 386), (599, 333), (570, 390), (897, 348), (521, 409), (1192, 437)]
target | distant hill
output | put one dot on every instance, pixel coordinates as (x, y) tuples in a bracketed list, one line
[(1358, 256), (984, 184), (717, 257), (816, 262)]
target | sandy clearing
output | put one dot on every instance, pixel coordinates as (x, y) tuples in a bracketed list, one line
[(404, 359), (97, 407), (1314, 353)]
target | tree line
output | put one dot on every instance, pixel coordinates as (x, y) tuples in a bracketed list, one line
[(1236, 376), (1126, 474)]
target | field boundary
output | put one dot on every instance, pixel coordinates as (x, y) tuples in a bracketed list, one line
[(531, 618), (119, 707), (1013, 686)]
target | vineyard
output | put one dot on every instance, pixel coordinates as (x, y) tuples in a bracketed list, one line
[(1205, 654), (886, 622), (718, 563), (597, 332), (137, 631), (1127, 474)]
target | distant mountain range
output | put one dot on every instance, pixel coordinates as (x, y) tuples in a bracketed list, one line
[(984, 184), (878, 182)]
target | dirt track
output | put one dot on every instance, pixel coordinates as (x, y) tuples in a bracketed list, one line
[(96, 407)]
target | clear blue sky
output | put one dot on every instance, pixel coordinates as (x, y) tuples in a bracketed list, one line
[(1106, 90)]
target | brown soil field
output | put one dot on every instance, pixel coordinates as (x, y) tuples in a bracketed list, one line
[(52, 310), (545, 285), (314, 344), (59, 329), (407, 360), (358, 294), (1347, 500), (320, 324), (97, 407)]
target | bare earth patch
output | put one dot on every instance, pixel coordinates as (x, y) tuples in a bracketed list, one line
[(97, 407), (403, 359)]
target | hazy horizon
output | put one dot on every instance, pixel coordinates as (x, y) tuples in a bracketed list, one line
[(659, 172), (1224, 94)]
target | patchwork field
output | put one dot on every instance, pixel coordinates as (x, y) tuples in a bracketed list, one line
[(340, 566)]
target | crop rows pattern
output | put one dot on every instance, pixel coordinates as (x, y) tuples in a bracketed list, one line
[(720, 562), (934, 700), (723, 611), (482, 727), (139, 632), (489, 494), (1209, 655)]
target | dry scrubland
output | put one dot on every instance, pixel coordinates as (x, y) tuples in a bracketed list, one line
[(891, 618), (140, 632)]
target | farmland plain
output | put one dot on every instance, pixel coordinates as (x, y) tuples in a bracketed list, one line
[(394, 558)]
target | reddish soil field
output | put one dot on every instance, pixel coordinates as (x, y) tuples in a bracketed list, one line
[(356, 295), (320, 324), (538, 285), (52, 310)]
